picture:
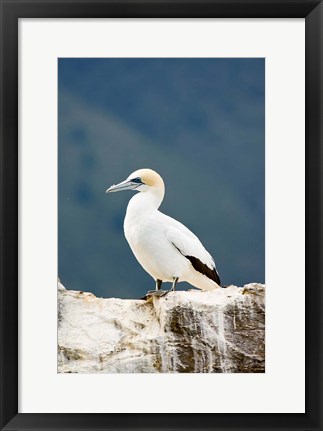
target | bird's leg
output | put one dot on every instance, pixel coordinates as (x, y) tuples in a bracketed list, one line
[(175, 280), (172, 289), (157, 292), (158, 284)]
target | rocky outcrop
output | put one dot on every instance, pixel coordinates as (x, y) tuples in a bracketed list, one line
[(220, 331)]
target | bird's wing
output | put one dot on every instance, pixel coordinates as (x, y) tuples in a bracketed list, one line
[(190, 247)]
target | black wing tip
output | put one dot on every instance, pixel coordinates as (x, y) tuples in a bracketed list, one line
[(218, 281), (201, 267)]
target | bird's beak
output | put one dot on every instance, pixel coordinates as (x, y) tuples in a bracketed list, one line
[(124, 185)]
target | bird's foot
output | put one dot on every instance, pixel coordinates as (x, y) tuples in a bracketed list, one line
[(155, 293)]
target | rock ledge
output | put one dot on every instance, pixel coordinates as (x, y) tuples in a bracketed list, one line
[(220, 331)]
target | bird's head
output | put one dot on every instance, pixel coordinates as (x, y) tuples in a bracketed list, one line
[(142, 180)]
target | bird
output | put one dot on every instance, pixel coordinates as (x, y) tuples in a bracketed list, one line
[(164, 247)]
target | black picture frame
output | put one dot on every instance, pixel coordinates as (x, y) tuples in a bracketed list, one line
[(11, 12)]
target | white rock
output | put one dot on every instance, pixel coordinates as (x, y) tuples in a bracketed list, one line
[(186, 331)]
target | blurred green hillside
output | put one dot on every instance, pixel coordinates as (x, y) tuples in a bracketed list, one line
[(199, 123)]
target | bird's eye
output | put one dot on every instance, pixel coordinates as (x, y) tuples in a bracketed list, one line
[(136, 180)]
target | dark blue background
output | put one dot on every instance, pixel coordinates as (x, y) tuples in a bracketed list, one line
[(199, 123)]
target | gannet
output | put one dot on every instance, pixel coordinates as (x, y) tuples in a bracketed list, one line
[(164, 247)]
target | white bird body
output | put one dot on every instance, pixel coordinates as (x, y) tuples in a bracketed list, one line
[(164, 247)]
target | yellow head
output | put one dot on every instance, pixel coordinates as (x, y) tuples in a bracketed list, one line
[(141, 180), (148, 177)]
